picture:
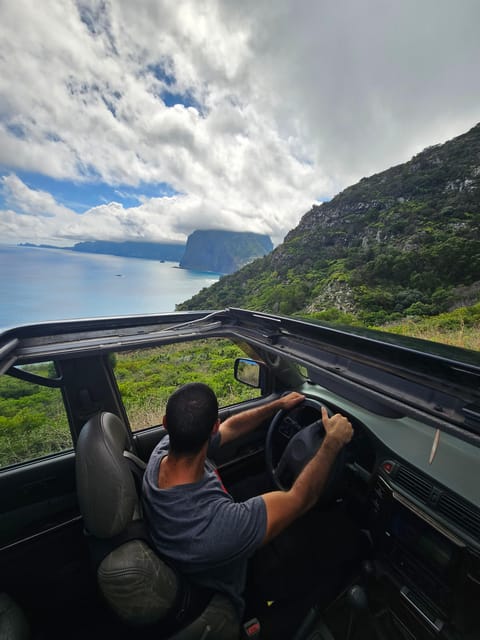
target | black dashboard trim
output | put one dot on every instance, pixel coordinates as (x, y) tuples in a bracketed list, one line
[(427, 518)]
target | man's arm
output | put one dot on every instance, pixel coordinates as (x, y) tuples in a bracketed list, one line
[(246, 421), (283, 507)]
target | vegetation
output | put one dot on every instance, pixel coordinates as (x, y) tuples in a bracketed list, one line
[(33, 422), (32, 419), (146, 378), (459, 328)]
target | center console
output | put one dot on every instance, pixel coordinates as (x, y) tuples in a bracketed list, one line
[(429, 576)]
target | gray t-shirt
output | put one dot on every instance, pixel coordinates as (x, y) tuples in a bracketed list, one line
[(198, 526)]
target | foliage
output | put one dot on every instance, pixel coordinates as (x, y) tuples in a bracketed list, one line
[(460, 328), (32, 419), (334, 316), (146, 378), (33, 422)]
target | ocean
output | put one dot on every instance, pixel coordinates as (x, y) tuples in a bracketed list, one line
[(39, 284)]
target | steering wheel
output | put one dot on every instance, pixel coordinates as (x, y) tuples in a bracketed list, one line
[(300, 450)]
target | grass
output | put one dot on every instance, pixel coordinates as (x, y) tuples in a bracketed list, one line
[(464, 337), (459, 328), (33, 422), (146, 378)]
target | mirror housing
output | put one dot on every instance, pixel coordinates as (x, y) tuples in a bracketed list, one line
[(249, 372)]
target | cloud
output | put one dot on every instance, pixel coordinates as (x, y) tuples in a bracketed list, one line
[(367, 84), (34, 216), (250, 111), (24, 200)]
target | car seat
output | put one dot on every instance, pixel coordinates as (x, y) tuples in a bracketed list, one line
[(141, 588)]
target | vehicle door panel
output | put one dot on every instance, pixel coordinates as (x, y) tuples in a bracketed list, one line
[(37, 496), (42, 547)]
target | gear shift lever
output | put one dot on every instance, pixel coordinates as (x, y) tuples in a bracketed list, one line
[(357, 598)]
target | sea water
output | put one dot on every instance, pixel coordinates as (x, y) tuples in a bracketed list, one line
[(38, 284)]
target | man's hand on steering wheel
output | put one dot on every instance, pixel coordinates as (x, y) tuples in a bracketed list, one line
[(304, 442), (338, 429), (291, 400)]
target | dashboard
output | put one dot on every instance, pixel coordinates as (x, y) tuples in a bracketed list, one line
[(425, 537)]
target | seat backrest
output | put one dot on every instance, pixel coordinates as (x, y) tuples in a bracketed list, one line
[(136, 583)]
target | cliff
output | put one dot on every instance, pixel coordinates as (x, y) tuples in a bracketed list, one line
[(223, 251), (402, 242)]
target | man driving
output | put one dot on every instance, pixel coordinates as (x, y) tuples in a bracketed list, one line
[(192, 519)]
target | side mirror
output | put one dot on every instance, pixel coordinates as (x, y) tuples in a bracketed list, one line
[(249, 372)]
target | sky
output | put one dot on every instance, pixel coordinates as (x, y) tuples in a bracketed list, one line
[(146, 120)]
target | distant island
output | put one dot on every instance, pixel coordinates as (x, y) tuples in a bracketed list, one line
[(131, 249), (213, 250), (128, 249)]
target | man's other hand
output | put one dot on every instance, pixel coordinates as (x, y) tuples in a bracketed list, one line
[(338, 428), (291, 400)]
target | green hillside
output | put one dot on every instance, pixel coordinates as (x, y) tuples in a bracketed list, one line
[(404, 242)]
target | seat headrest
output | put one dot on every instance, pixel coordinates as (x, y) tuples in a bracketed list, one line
[(105, 486)]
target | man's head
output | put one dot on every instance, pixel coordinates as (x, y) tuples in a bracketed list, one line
[(191, 414)]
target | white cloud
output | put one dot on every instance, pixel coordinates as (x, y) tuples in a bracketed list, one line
[(289, 102), (34, 216), (29, 201)]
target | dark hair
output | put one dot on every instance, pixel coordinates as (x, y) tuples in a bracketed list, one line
[(191, 413)]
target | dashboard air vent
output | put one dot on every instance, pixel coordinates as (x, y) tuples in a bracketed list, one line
[(460, 513), (414, 483)]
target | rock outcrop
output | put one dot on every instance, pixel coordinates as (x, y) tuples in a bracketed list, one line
[(223, 251)]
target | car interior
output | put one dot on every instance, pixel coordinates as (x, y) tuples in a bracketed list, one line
[(75, 555)]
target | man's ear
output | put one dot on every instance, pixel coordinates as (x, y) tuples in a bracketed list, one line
[(164, 422), (216, 426)]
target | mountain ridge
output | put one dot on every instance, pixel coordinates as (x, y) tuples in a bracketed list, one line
[(400, 242)]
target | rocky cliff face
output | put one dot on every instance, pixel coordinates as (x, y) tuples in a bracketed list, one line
[(404, 241), (397, 206), (223, 251)]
